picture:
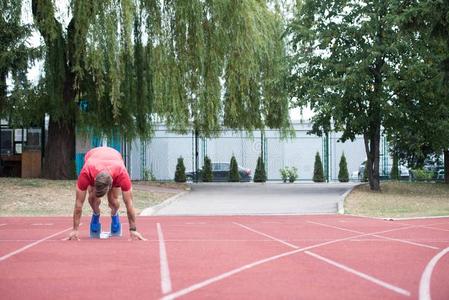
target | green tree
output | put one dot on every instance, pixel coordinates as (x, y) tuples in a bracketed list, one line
[(207, 170), (135, 60), (15, 58), (318, 175), (180, 173), (424, 85), (259, 174), (234, 175), (343, 174), (343, 58)]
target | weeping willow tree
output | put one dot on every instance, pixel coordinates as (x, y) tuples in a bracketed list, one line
[(197, 64)]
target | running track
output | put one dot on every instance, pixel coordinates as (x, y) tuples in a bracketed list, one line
[(244, 257)]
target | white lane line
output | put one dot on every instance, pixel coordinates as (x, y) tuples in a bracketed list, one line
[(424, 284), (435, 228), (165, 271), (379, 236), (266, 235), (360, 274), (341, 266), (230, 273), (4, 257), (42, 224)]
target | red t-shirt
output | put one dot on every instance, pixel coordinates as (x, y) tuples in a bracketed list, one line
[(104, 159)]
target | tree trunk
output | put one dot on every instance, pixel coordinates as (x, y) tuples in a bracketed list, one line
[(3, 94), (372, 148), (446, 166), (60, 151)]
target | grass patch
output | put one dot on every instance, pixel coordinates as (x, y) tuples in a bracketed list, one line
[(41, 197), (399, 200)]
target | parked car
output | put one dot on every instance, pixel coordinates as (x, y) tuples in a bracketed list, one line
[(403, 171), (220, 172)]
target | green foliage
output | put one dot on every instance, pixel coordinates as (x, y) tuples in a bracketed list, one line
[(343, 174), (15, 57), (318, 174), (180, 173), (234, 175), (394, 175), (259, 174), (422, 175), (206, 173), (290, 174)]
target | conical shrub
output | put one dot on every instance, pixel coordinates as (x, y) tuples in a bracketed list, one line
[(234, 175), (207, 170), (259, 174), (343, 174), (180, 173), (318, 175), (394, 175)]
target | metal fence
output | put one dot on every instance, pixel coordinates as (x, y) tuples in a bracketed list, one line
[(157, 157)]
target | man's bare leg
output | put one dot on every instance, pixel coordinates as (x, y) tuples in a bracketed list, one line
[(114, 205), (95, 225)]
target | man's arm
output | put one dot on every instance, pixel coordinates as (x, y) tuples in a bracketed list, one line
[(128, 199), (77, 211)]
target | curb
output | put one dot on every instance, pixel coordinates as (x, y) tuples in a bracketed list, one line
[(152, 210), (340, 204)]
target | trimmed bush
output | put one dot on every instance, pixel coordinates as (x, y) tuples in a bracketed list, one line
[(259, 174), (207, 170), (318, 174), (394, 175), (343, 174), (180, 173), (234, 175)]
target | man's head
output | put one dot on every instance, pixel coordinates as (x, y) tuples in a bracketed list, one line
[(103, 183)]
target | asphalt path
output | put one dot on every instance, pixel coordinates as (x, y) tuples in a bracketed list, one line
[(257, 199)]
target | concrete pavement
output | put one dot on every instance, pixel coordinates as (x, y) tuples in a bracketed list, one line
[(256, 199)]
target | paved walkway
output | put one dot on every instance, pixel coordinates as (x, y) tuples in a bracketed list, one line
[(254, 199)]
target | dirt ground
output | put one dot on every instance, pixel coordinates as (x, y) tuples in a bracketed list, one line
[(40, 197)]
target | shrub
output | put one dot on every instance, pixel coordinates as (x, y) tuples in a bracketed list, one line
[(394, 175), (292, 174), (180, 173), (343, 174), (422, 175), (259, 174), (284, 174), (234, 175), (318, 174), (207, 170)]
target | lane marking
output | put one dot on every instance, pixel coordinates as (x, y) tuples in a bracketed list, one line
[(4, 257), (424, 284), (360, 274), (376, 235), (42, 224), (232, 272), (3, 225), (338, 265), (266, 235), (165, 271)]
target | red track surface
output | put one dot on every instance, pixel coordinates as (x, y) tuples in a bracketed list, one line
[(257, 257)]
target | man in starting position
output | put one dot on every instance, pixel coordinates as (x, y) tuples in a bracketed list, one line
[(104, 172)]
